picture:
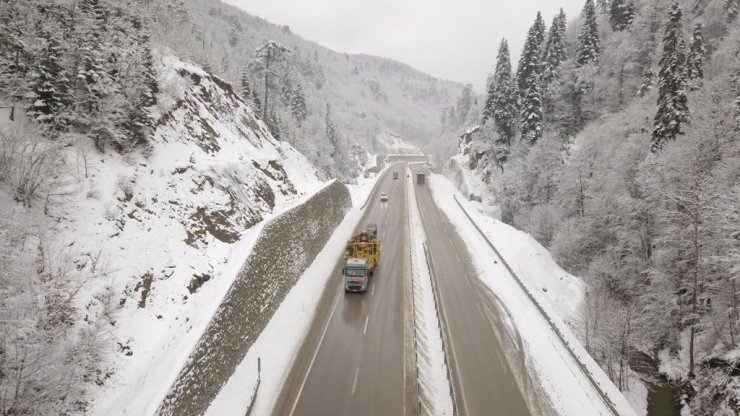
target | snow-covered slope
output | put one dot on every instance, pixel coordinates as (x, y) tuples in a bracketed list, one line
[(171, 229), (472, 169), (389, 143)]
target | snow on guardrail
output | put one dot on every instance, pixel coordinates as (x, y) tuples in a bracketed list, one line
[(555, 328), (435, 390)]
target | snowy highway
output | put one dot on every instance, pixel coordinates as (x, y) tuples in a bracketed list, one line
[(353, 359), (356, 357), (486, 360)]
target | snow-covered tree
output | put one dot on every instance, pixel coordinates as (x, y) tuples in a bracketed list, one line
[(673, 108), (697, 54), (275, 125), (555, 51), (14, 86), (621, 14), (331, 132), (488, 107), (647, 80), (589, 44), (298, 104), (270, 58), (465, 103), (149, 71), (530, 61), (531, 117), (50, 85), (505, 97)]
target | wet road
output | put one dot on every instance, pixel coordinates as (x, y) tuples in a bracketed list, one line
[(353, 359)]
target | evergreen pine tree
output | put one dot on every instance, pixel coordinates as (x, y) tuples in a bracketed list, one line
[(554, 53), (673, 109), (298, 104), (563, 25), (531, 117), (530, 61), (488, 108), (150, 73), (465, 102), (13, 69), (621, 14), (257, 104), (331, 132), (275, 125), (603, 6), (588, 37), (698, 52), (646, 81), (505, 100), (246, 87), (50, 85)]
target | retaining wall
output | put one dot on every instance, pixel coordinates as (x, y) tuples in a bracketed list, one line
[(284, 249)]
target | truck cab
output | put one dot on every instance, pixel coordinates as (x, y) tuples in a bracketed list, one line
[(356, 275)]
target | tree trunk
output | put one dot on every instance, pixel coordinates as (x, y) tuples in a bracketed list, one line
[(267, 74), (695, 294)]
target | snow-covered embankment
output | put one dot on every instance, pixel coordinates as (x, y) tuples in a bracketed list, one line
[(568, 388), (435, 393)]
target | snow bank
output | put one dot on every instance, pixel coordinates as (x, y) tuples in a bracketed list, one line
[(568, 389), (435, 396)]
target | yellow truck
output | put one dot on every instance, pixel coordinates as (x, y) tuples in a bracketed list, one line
[(361, 257)]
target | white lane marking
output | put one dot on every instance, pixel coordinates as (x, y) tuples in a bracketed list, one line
[(367, 319), (315, 353), (354, 385), (449, 238), (458, 257), (372, 291)]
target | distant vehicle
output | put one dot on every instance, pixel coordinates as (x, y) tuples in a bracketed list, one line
[(383, 196), (420, 178), (395, 175), (474, 197), (361, 258), (372, 228)]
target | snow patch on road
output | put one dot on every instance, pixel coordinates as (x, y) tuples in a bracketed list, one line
[(568, 389), (435, 397)]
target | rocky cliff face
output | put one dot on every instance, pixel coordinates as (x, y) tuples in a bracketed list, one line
[(172, 226)]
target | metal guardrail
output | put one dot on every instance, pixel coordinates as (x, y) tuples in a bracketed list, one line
[(439, 320), (256, 388), (442, 334), (604, 396), (413, 320)]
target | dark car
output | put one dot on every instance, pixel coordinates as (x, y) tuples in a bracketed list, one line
[(372, 228)]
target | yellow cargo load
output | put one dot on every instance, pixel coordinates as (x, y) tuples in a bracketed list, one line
[(364, 246)]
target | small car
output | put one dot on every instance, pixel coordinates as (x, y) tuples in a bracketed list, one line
[(383, 196), (372, 228)]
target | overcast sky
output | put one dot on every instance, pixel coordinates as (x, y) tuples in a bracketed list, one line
[(453, 39)]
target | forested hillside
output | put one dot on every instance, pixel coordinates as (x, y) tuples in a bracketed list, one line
[(129, 182), (323, 102), (615, 141)]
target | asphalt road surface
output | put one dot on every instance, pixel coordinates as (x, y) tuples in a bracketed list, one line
[(352, 361), (485, 359)]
